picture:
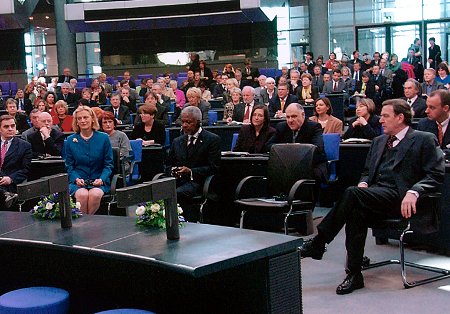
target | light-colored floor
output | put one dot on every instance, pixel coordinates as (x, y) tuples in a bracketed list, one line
[(383, 292)]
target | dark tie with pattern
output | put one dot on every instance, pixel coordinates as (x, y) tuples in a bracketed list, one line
[(390, 141), (190, 146)]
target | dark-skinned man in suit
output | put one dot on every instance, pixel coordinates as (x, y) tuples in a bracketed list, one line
[(401, 166), (193, 157), (15, 161)]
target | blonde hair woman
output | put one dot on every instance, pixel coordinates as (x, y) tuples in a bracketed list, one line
[(89, 160)]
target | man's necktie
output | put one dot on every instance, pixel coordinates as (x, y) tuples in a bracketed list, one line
[(20, 104), (335, 86), (390, 141), (382, 72), (440, 133), (65, 97), (3, 153), (116, 113), (247, 112), (409, 101), (190, 146), (282, 104), (357, 76), (363, 88)]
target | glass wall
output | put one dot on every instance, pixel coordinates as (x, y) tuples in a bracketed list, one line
[(40, 51)]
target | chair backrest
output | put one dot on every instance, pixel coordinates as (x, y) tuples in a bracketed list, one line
[(116, 161), (63, 150), (289, 163), (167, 142), (233, 142), (136, 147), (331, 145)]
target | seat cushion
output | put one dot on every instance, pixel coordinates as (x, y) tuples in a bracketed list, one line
[(36, 300)]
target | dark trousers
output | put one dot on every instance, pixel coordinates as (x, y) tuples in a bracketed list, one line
[(357, 209), (185, 193)]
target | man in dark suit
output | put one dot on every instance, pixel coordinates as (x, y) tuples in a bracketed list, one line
[(298, 130), (238, 76), (336, 85), (66, 77), (430, 85), (438, 111), (23, 104), (356, 73), (243, 112), (15, 161), (46, 141), (250, 74), (434, 53), (309, 57), (70, 98), (193, 157), (127, 100), (127, 78), (294, 82), (401, 166), (21, 118), (317, 80), (411, 89), (278, 104), (121, 112)]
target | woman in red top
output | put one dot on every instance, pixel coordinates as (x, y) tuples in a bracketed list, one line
[(62, 118)]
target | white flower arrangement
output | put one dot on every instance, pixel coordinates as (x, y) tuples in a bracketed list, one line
[(48, 207), (152, 214)]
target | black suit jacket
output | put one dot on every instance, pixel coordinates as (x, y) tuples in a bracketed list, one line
[(309, 133), (21, 122), (328, 87), (419, 107), (369, 131), (27, 105), (204, 160), (314, 95), (428, 125), (370, 88), (62, 78), (71, 98), (250, 78), (248, 142), (418, 166), (17, 163), (275, 104), (124, 113), (52, 146)]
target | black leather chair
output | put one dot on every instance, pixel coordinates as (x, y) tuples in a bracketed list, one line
[(426, 221), (110, 198), (288, 188)]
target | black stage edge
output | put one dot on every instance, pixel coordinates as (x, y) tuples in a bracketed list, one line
[(108, 262)]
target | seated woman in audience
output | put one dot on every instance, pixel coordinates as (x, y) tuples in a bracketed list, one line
[(194, 99), (254, 136), (98, 95), (399, 77), (269, 92), (180, 98), (307, 93), (41, 106), (90, 98), (347, 78), (149, 130), (62, 118), (236, 98), (28, 92), (50, 100), (206, 94), (162, 111), (89, 160), (166, 91), (323, 115), (443, 74), (329, 63), (117, 138), (366, 86), (229, 84), (366, 124)]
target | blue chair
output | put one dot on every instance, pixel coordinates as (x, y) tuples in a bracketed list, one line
[(125, 311), (331, 144), (233, 142), (167, 143), (35, 300), (63, 150), (136, 157), (170, 119), (212, 117), (172, 106), (132, 117)]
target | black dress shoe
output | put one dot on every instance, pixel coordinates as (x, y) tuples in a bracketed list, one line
[(352, 282), (312, 248), (10, 199)]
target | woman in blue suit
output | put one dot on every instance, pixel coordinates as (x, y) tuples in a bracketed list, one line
[(89, 160)]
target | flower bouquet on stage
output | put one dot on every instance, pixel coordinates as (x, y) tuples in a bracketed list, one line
[(152, 214), (48, 208)]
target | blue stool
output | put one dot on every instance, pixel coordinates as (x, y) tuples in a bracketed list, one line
[(35, 300), (126, 311)]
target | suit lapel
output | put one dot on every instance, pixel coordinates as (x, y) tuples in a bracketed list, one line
[(446, 138), (11, 151), (404, 147)]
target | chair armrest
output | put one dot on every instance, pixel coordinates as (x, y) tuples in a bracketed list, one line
[(297, 187), (330, 164), (159, 176), (114, 180), (208, 192), (250, 179)]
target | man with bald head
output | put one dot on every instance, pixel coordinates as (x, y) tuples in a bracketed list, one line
[(46, 141)]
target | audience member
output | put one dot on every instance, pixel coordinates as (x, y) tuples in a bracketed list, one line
[(438, 111), (195, 62), (20, 118), (206, 94), (62, 118), (284, 73), (430, 84), (127, 101), (307, 93), (329, 63), (418, 105), (269, 92), (15, 160), (162, 111), (229, 113), (309, 57), (443, 75), (260, 87), (323, 114), (97, 93), (35, 126), (46, 141), (434, 53), (23, 105), (238, 76), (318, 78), (65, 77), (365, 87), (366, 124), (193, 156), (147, 88), (357, 73), (294, 82), (149, 130), (401, 165), (250, 74), (228, 70), (42, 106), (253, 137), (399, 77), (278, 104), (205, 73), (107, 88), (50, 100), (347, 78), (120, 112), (89, 160), (194, 99), (180, 99), (128, 80), (336, 85), (220, 87)]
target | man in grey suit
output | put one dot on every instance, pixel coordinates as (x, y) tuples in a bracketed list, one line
[(336, 85), (317, 80), (430, 85), (402, 165), (384, 71), (411, 89)]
